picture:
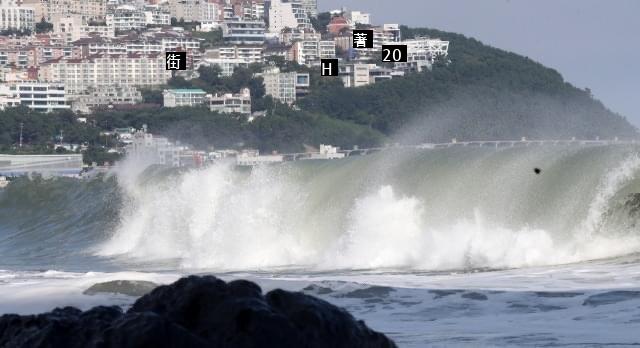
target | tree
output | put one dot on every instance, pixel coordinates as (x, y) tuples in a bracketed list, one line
[(43, 26)]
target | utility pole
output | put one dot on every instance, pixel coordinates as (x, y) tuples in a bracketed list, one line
[(21, 127)]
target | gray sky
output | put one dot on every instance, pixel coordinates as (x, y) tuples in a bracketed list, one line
[(592, 43)]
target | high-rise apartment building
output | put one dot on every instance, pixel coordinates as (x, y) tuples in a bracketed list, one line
[(287, 14)]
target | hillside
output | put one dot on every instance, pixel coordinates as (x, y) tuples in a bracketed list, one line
[(481, 93)]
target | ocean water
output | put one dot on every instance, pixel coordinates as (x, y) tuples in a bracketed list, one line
[(446, 247)]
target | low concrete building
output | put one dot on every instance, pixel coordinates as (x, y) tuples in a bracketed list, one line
[(183, 97), (41, 96), (231, 103), (57, 165)]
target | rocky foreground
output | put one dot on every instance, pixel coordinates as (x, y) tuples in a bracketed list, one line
[(197, 312)]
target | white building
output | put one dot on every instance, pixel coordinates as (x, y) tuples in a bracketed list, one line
[(155, 15), (194, 10), (105, 96), (125, 18), (241, 32), (250, 54), (326, 152), (355, 75), (135, 70), (309, 52), (287, 14), (183, 97), (250, 158), (73, 27), (422, 53), (40, 96), (310, 7), (231, 103), (358, 75), (154, 150), (16, 17), (227, 65), (8, 99), (357, 17), (289, 36), (285, 87), (89, 10)]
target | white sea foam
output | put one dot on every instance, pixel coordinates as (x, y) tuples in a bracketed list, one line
[(217, 218)]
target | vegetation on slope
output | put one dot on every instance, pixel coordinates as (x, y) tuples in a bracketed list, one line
[(478, 92)]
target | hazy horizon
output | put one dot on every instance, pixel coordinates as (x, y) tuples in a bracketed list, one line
[(571, 38)]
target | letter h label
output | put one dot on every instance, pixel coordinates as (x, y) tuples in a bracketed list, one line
[(329, 67)]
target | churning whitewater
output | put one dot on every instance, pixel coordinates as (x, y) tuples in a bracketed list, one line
[(459, 246), (448, 209)]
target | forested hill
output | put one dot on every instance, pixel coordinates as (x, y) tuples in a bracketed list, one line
[(481, 92)]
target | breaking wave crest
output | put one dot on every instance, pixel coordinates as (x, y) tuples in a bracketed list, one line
[(438, 210), (447, 209)]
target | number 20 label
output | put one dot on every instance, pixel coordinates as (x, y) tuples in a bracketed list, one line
[(394, 53)]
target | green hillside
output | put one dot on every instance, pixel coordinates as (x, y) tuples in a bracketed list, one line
[(480, 93)]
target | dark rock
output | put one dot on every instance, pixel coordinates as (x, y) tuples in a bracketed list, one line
[(124, 287), (197, 312), (372, 291)]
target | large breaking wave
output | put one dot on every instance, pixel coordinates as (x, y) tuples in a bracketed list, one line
[(458, 208)]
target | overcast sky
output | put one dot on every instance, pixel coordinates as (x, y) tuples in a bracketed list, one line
[(592, 43)]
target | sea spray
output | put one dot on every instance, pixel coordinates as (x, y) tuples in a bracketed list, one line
[(432, 210)]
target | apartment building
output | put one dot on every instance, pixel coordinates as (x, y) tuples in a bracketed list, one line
[(358, 75), (125, 18), (285, 87), (89, 10), (310, 7), (79, 75), (250, 54), (156, 15), (105, 96), (290, 35), (227, 65), (287, 14), (73, 27), (40, 96), (229, 103), (194, 10), (422, 53), (242, 32), (16, 17), (310, 52)]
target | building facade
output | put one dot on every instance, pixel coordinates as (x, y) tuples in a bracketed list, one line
[(228, 103), (15, 17), (285, 87), (242, 32), (173, 98), (100, 71), (287, 14), (40, 96)]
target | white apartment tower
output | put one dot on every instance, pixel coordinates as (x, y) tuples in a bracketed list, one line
[(16, 17), (310, 7), (287, 14)]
